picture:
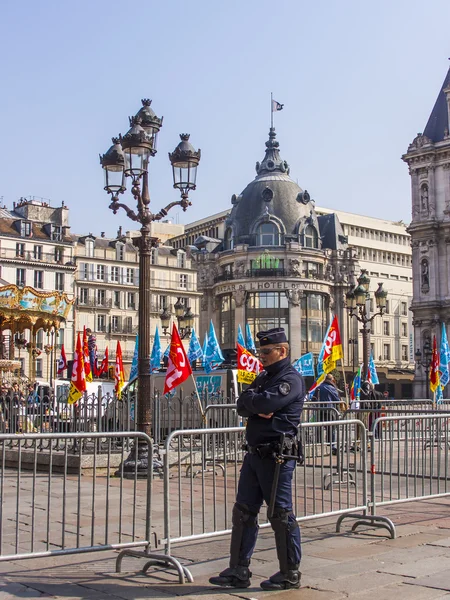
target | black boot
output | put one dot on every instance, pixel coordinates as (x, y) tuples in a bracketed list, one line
[(282, 581), (236, 577)]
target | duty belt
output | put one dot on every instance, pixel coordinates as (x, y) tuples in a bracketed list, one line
[(274, 449)]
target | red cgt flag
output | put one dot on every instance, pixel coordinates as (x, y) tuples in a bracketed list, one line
[(434, 372), (62, 362), (248, 365), (178, 367)]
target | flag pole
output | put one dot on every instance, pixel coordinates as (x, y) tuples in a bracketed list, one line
[(198, 398), (345, 383), (271, 110)]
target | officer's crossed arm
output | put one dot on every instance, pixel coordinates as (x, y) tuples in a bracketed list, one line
[(282, 393)]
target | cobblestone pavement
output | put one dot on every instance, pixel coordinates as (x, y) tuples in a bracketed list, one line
[(360, 565)]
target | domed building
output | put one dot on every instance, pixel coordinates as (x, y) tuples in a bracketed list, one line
[(279, 264)]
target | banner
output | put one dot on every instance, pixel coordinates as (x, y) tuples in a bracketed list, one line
[(434, 371), (248, 365), (78, 380), (119, 375), (178, 367), (62, 362), (332, 347), (305, 365)]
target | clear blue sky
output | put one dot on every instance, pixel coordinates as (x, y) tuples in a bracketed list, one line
[(358, 80)]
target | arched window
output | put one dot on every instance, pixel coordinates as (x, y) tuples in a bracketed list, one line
[(311, 237), (268, 235), (228, 241)]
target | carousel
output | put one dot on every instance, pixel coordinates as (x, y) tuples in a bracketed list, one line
[(24, 311)]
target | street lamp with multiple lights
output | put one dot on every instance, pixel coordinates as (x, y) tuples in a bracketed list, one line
[(356, 304), (424, 359), (185, 319), (129, 156)]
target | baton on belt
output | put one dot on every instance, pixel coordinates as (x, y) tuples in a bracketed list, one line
[(279, 460)]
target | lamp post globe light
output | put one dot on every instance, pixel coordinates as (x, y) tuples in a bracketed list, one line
[(356, 304), (185, 319), (129, 157)]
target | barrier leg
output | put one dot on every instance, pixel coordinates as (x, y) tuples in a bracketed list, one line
[(161, 560), (370, 520)]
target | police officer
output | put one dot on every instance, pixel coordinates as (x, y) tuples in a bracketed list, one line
[(273, 404)]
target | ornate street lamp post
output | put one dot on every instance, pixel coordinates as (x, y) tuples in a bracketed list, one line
[(185, 319), (129, 156), (356, 304), (424, 360)]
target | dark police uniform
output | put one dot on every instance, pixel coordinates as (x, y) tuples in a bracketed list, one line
[(280, 390)]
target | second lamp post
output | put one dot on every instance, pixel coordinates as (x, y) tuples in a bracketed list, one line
[(129, 156), (356, 304)]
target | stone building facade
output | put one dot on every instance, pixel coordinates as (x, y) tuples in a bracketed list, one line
[(428, 159)]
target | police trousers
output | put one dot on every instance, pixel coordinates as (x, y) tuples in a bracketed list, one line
[(255, 486)]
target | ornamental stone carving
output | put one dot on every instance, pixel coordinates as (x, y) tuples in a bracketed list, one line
[(204, 303), (239, 297), (294, 296), (240, 268), (294, 267)]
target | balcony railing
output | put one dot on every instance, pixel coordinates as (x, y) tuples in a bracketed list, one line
[(44, 257), (122, 329), (94, 302)]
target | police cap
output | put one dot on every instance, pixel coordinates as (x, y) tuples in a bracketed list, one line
[(272, 336)]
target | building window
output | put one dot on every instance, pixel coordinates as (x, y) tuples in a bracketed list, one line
[(117, 299), (37, 252), (268, 235), (39, 372), (130, 276), (120, 252), (311, 237), (115, 274), (100, 272), (56, 233), (228, 241), (404, 329), (266, 261), (387, 307), (183, 281), (386, 351), (314, 322), (101, 297), (20, 250), (115, 323), (25, 229), (39, 280), (386, 328), (181, 259), (40, 339), (101, 322), (162, 302), (59, 282), (404, 307), (265, 310), (59, 253), (227, 307), (312, 270), (20, 277), (405, 353), (89, 248), (128, 325), (131, 300), (154, 256), (84, 296)]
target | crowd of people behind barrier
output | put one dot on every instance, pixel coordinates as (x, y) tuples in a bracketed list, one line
[(15, 399)]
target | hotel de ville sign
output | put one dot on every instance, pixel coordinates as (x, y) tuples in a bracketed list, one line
[(265, 286)]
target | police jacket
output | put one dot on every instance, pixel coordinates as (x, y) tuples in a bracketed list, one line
[(327, 394), (280, 390)]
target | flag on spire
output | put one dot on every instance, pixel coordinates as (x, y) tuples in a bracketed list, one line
[(178, 367), (372, 375), (62, 362), (250, 345), (86, 359), (119, 375), (156, 355), (240, 337), (78, 380), (195, 351), (434, 370), (276, 106)]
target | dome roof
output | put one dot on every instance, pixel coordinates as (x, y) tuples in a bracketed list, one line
[(271, 196)]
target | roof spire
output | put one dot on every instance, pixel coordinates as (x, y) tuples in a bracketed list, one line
[(437, 128), (272, 160)]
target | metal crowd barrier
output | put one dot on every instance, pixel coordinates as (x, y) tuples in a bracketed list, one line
[(201, 473), (58, 511)]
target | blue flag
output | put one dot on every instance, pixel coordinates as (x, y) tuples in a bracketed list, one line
[(213, 356), (372, 375), (439, 396), (156, 355), (195, 351), (134, 364), (250, 342), (305, 365), (240, 337), (167, 352), (444, 358)]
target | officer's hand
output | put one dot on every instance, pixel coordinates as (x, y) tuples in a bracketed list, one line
[(269, 416)]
